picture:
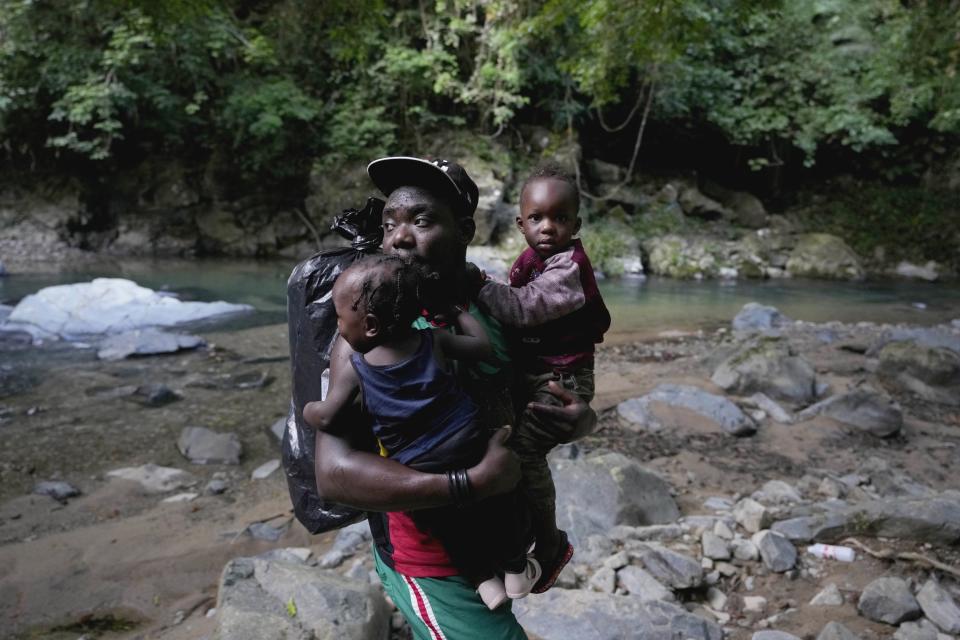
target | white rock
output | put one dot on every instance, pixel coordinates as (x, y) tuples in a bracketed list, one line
[(153, 478), (603, 580), (830, 596), (722, 530), (745, 550), (751, 515), (264, 470), (754, 604), (714, 547), (181, 497), (641, 584), (777, 492)]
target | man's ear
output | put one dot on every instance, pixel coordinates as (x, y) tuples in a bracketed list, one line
[(371, 325), (466, 228)]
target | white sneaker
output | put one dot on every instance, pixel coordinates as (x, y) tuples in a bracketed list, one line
[(492, 593), (518, 585)]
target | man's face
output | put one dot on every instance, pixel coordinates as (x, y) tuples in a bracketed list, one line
[(418, 224)]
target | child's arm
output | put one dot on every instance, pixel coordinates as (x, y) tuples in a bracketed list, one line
[(343, 388), (473, 344), (554, 294)]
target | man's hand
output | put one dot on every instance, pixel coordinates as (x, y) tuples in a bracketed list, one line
[(499, 471), (572, 411)]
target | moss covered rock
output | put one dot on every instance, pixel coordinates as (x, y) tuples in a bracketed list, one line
[(822, 255)]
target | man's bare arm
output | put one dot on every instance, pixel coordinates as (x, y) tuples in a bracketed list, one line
[(368, 481)]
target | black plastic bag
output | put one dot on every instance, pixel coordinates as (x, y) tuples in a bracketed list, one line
[(312, 323)]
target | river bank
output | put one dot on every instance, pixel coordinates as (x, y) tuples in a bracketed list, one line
[(117, 562)]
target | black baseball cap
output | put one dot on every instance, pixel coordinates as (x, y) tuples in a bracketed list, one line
[(445, 176)]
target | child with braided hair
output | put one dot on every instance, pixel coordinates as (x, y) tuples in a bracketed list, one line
[(423, 419)]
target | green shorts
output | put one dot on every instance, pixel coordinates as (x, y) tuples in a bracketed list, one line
[(446, 608)]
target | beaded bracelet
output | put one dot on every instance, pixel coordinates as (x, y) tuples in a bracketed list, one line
[(460, 488)]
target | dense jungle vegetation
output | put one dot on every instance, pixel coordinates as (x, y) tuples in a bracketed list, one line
[(769, 94)]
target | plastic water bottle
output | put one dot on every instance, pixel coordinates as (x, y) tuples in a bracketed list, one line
[(843, 554)]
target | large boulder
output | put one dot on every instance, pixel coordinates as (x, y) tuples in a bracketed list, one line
[(560, 614), (821, 255), (688, 257), (727, 416), (696, 204), (676, 570), (864, 409), (889, 600), (933, 373), (934, 519), (598, 492), (107, 306), (276, 598), (940, 607), (769, 366)]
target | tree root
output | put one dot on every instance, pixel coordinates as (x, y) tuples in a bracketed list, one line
[(890, 554)]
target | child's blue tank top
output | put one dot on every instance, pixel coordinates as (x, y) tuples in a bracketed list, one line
[(415, 404)]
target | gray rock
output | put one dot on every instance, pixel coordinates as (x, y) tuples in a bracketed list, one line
[(769, 366), (153, 478), (56, 489), (751, 515), (933, 373), (659, 532), (641, 584), (203, 446), (334, 558), (603, 580), (264, 531), (146, 342), (922, 629), (757, 317), (745, 550), (155, 395), (862, 408), (777, 492), (829, 596), (773, 635), (262, 599), (561, 614), (891, 483), (821, 255), (602, 491), (353, 538), (888, 600), (110, 305), (278, 428), (673, 569), (746, 209), (714, 547), (695, 204), (836, 631), (594, 549), (939, 606), (941, 337), (718, 409), (216, 486), (771, 407), (777, 552)]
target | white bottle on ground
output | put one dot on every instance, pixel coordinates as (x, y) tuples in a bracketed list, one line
[(843, 554)]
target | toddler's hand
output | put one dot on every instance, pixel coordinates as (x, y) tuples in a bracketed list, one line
[(475, 279)]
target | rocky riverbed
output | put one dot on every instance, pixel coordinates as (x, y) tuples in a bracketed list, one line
[(718, 459)]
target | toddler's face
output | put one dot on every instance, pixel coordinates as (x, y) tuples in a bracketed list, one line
[(548, 216)]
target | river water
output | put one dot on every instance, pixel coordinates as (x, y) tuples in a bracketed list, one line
[(639, 307)]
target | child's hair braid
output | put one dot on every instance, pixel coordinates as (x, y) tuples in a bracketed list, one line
[(390, 289)]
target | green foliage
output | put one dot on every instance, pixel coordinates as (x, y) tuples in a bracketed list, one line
[(273, 86), (604, 243), (909, 223)]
